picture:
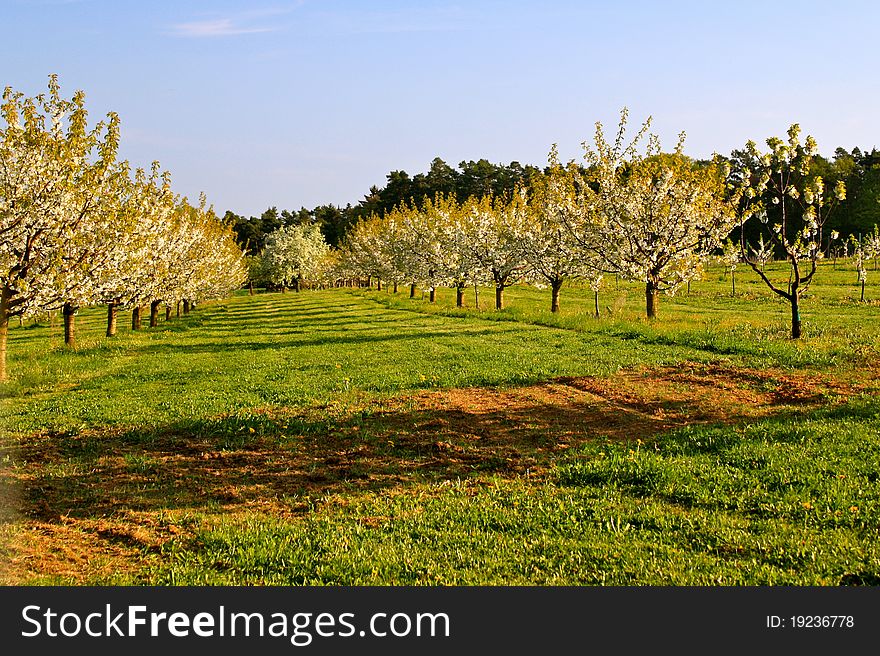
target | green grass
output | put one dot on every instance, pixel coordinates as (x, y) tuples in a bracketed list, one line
[(793, 502), (279, 439), (291, 350), (754, 323)]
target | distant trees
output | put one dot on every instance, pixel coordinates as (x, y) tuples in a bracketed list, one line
[(471, 179), (858, 169), (630, 210), (649, 216)]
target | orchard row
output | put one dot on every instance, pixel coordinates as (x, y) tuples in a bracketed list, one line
[(79, 227), (631, 210)]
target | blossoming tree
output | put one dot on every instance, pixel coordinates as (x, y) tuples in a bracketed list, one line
[(652, 217), (294, 253), (549, 247), (781, 182), (54, 174)]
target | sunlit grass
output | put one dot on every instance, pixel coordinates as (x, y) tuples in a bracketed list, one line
[(102, 441)]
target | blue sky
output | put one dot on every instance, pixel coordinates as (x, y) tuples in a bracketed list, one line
[(309, 102)]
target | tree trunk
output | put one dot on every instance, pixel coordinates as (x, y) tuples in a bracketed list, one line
[(297, 284), (4, 330), (186, 307), (795, 315), (862, 299), (652, 298), (395, 286), (251, 287), (412, 290), (459, 297), (596, 303), (154, 313), (69, 312), (178, 309), (733, 282), (370, 282), (283, 291), (499, 298), (167, 313), (432, 295), (136, 317), (112, 312), (476, 297), (378, 284), (555, 286)]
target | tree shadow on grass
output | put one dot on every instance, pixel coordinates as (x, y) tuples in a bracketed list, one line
[(297, 339), (283, 459)]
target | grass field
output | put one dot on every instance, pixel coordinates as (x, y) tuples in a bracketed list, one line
[(362, 437)]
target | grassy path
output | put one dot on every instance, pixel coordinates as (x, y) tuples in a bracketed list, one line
[(289, 350)]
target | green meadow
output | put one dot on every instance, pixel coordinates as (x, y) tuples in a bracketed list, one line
[(353, 436)]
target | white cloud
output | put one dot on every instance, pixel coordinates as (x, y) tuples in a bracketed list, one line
[(214, 27)]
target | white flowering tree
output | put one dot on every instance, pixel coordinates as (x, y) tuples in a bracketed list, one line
[(861, 272), (489, 234), (221, 268), (422, 246), (730, 257), (548, 246), (135, 259), (165, 262), (781, 184), (760, 253), (400, 246), (209, 264), (365, 254), (295, 253), (91, 225), (456, 265), (53, 173), (871, 245), (652, 217)]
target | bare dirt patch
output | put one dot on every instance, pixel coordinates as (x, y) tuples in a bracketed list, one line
[(85, 505), (634, 404)]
